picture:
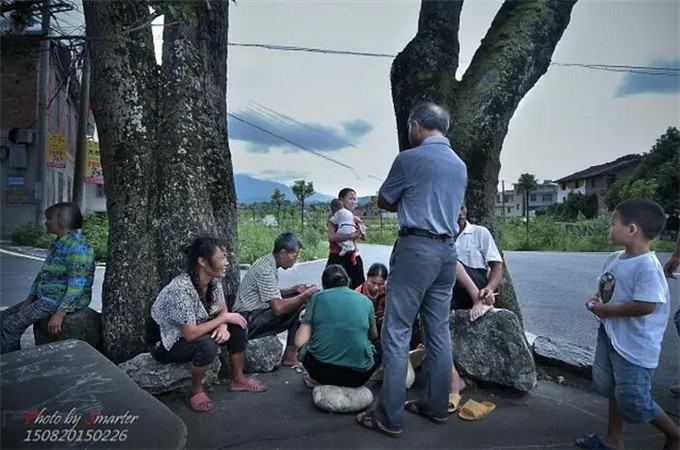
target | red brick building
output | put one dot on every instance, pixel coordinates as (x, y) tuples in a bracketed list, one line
[(19, 56)]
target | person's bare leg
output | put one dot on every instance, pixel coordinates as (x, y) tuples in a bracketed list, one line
[(614, 436), (197, 374), (238, 361), (290, 357), (457, 382), (669, 428)]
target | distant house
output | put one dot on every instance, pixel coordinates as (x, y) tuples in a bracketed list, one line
[(544, 194), (508, 203), (597, 179)]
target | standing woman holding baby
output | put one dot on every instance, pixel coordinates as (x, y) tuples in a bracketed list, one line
[(351, 262)]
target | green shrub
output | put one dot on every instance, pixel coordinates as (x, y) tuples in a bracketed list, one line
[(545, 234), (256, 239), (96, 233), (32, 236)]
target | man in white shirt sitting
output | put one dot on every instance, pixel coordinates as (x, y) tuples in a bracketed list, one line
[(479, 269)]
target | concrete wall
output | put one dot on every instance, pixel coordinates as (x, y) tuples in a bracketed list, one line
[(18, 87), (564, 189), (95, 199)]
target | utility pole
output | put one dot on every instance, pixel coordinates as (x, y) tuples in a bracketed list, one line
[(43, 89), (81, 137), (503, 196)]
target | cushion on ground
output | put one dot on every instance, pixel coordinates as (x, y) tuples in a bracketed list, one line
[(340, 399), (263, 354), (493, 349), (84, 325), (157, 378)]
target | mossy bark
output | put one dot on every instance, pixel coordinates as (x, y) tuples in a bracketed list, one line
[(513, 55), (164, 151)]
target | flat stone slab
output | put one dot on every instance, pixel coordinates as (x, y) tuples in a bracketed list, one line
[(68, 395), (157, 378), (574, 358)]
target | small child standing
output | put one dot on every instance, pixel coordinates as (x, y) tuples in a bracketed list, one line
[(633, 304), (346, 223)]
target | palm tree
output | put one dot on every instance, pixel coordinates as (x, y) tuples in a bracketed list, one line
[(277, 200), (302, 190), (527, 183)]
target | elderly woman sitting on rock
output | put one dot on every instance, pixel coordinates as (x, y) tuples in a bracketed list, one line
[(192, 315), (335, 334), (64, 283)]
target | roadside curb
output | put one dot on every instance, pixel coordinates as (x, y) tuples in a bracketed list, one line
[(572, 358), (39, 254)]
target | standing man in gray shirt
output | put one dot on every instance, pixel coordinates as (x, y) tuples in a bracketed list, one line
[(426, 185)]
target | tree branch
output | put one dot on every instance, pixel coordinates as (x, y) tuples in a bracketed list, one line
[(426, 68), (514, 54)]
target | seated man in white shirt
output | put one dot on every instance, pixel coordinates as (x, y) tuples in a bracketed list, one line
[(478, 273), (479, 269)]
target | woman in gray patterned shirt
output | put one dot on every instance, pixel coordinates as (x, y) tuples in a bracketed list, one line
[(193, 317)]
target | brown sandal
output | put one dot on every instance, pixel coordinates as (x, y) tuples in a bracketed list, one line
[(367, 420), (412, 407)]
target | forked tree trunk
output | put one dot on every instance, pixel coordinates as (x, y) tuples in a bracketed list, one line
[(513, 55), (164, 150)]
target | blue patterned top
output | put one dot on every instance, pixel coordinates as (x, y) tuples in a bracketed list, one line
[(67, 275)]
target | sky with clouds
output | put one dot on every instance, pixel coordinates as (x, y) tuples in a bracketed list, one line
[(341, 107), (329, 118)]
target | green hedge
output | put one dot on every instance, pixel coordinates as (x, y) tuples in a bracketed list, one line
[(545, 234)]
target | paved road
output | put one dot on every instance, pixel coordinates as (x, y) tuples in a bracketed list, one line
[(17, 274), (552, 289)]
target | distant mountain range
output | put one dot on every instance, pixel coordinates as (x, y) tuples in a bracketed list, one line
[(254, 190)]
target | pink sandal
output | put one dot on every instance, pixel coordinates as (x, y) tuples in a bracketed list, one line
[(252, 385), (200, 403)]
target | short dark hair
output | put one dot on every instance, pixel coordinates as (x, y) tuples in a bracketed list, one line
[(66, 214), (377, 270), (334, 276), (344, 191), (336, 205), (288, 242), (430, 116), (648, 215)]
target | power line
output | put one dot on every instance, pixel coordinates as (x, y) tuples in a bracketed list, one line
[(283, 138), (292, 48), (349, 144), (639, 70)]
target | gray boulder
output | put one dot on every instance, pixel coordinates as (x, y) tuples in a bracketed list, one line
[(340, 399), (493, 349), (574, 358), (263, 354), (157, 378), (84, 325)]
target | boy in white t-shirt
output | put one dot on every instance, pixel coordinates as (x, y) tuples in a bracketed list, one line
[(347, 225), (633, 303)]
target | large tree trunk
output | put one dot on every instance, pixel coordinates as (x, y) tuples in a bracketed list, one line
[(514, 54), (195, 172), (165, 153)]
